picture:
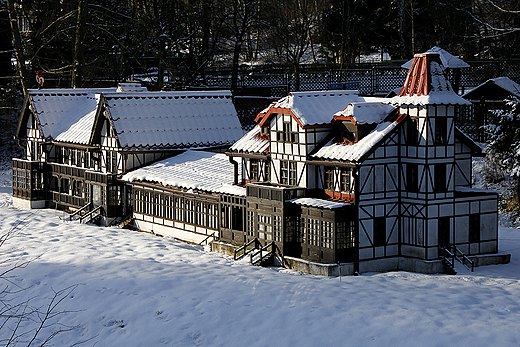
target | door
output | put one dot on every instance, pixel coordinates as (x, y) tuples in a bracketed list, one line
[(96, 195), (444, 232)]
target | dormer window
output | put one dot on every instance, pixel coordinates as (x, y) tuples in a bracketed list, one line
[(287, 134)]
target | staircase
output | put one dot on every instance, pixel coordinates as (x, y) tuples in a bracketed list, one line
[(91, 216), (258, 255), (452, 254), (80, 212), (129, 219), (247, 248)]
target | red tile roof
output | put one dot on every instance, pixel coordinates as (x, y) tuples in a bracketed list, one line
[(419, 78)]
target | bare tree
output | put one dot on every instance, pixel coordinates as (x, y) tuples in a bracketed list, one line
[(243, 16), (291, 27), (21, 321)]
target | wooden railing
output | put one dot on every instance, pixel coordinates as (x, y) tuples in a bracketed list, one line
[(448, 256), (207, 238), (88, 217), (243, 249), (70, 200), (263, 253), (80, 211), (458, 255)]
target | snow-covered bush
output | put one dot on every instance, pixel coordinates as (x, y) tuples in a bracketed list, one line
[(503, 151)]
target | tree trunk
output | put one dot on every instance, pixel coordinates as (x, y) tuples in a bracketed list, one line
[(402, 41), (296, 77), (79, 57), (17, 41)]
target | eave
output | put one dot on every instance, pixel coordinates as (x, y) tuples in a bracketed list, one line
[(247, 155)]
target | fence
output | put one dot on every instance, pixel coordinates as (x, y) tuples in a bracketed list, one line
[(373, 80)]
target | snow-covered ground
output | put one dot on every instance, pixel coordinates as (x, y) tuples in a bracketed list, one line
[(136, 289)]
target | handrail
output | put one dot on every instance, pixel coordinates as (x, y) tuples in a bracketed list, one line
[(262, 256), (448, 257), (464, 258), (79, 211), (90, 214), (456, 254), (244, 248), (201, 242)]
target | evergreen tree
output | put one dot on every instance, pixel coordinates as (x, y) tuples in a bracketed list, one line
[(504, 144)]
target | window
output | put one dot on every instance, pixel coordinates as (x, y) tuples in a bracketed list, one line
[(111, 162), (311, 231), (379, 231), (250, 223), (64, 186), (78, 160), (288, 173), (35, 151), (267, 169), (412, 131), (345, 179), (264, 227), (346, 234), (327, 235), (168, 207), (287, 134), (440, 178), (444, 232), (292, 173), (65, 155), (412, 177), (73, 157), (277, 228), (237, 218), (77, 188), (441, 131), (114, 195), (329, 178), (474, 228), (253, 169)]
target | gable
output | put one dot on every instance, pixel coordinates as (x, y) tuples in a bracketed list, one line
[(310, 108), (65, 115), (358, 151)]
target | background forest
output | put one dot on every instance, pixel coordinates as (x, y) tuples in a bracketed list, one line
[(83, 42), (174, 44)]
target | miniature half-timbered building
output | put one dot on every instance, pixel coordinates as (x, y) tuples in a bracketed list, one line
[(325, 178), (383, 184), (80, 141)]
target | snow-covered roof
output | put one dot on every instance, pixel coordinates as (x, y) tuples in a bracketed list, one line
[(355, 151), (197, 170), (315, 107), (130, 87), (426, 84), (66, 114), (252, 142), (319, 203), (448, 60), (174, 119), (505, 83), (366, 112)]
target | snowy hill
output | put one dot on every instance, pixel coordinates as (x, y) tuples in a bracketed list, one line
[(136, 289)]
